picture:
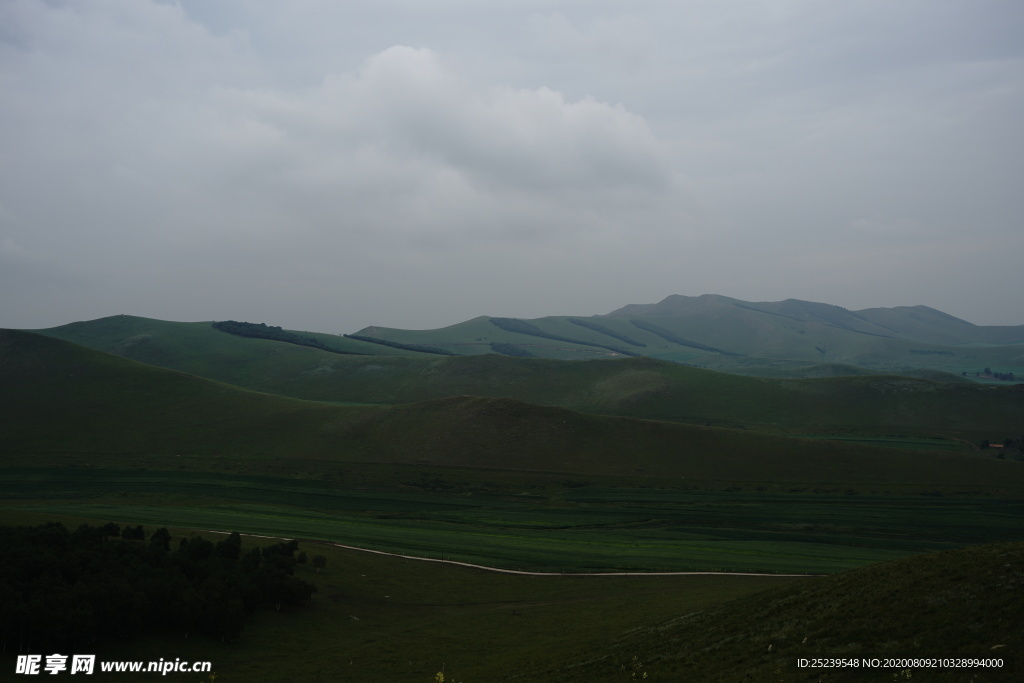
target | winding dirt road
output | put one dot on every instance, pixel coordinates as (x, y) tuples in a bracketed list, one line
[(517, 571)]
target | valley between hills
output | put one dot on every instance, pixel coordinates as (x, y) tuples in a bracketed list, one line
[(882, 448)]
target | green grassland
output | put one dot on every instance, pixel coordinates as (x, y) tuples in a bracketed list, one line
[(560, 528), (65, 399), (744, 344), (378, 618), (201, 349), (586, 482), (810, 370), (496, 481), (635, 387), (786, 343)]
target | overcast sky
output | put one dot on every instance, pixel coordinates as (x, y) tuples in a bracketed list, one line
[(329, 165)]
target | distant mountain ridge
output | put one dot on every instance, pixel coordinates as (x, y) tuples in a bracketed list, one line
[(784, 338), (790, 338), (921, 323)]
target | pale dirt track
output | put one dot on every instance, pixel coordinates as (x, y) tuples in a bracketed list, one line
[(520, 572)]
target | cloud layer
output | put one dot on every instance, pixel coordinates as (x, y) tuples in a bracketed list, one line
[(328, 166)]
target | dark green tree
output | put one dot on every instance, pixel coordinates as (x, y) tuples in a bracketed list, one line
[(160, 541), (66, 591), (230, 548)]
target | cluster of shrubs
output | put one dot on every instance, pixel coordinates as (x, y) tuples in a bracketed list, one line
[(67, 590)]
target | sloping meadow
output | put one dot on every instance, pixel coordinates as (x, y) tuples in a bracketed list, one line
[(493, 481)]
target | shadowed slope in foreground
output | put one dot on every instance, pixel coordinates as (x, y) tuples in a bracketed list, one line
[(964, 603)]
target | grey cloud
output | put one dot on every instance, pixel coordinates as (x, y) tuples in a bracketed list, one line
[(318, 164), (526, 138)]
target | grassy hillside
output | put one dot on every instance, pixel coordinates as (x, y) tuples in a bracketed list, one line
[(540, 464), (201, 349), (637, 387), (60, 397), (777, 338), (63, 398), (962, 603), (474, 337), (739, 336), (496, 480), (918, 323), (809, 370)]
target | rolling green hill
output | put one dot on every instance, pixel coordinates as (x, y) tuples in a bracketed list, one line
[(834, 403), (537, 463), (63, 398), (783, 339), (70, 407), (738, 336), (917, 323), (201, 349)]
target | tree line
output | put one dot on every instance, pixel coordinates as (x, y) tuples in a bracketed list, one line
[(510, 350), (989, 373), (522, 327), (264, 331), (598, 327), (422, 348), (672, 337), (66, 590)]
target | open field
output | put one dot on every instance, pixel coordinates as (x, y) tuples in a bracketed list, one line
[(895, 442), (577, 528), (378, 618)]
